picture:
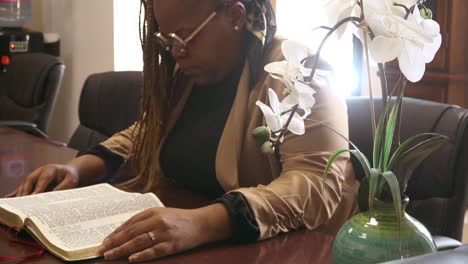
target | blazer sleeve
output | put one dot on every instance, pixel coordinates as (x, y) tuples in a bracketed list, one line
[(295, 199), (121, 143)]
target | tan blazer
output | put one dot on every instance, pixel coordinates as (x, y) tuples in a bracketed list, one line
[(284, 194)]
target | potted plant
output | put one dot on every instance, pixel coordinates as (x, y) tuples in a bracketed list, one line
[(388, 29)]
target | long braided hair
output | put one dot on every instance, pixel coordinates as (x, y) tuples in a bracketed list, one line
[(159, 93)]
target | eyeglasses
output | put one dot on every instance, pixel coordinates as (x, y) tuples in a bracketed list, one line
[(175, 41)]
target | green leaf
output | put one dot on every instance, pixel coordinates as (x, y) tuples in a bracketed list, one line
[(330, 163), (390, 131), (378, 137), (410, 159), (373, 179), (396, 155), (361, 158), (392, 181)]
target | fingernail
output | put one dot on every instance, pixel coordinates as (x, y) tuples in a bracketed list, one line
[(133, 258), (108, 255)]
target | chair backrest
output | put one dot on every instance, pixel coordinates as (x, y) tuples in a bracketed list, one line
[(109, 103), (28, 90), (438, 187)]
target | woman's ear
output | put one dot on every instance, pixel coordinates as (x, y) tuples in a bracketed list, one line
[(237, 14)]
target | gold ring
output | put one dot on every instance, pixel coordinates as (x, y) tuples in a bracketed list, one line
[(152, 237)]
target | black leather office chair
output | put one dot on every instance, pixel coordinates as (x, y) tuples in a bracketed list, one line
[(28, 91), (438, 188), (109, 103), (456, 256)]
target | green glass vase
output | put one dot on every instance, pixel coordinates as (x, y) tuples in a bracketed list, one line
[(377, 238)]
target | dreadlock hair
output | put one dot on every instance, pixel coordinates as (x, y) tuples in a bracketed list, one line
[(159, 93)]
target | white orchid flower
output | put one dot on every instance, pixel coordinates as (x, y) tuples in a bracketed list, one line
[(277, 115), (414, 41), (302, 95), (290, 69)]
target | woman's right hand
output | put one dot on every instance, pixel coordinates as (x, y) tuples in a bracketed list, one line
[(49, 177)]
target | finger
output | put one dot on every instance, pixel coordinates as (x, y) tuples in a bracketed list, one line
[(127, 234), (157, 251), (137, 244), (44, 181), (12, 194), (30, 180), (64, 184)]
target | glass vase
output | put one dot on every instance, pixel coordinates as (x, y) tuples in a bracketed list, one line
[(367, 238)]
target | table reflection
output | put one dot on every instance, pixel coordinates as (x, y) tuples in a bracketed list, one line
[(21, 153)]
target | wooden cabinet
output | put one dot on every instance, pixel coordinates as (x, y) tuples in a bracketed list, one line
[(446, 77)]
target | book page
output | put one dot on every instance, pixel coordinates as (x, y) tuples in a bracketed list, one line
[(81, 217), (76, 225), (29, 205)]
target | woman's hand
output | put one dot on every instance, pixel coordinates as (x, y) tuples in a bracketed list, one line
[(174, 230), (58, 177)]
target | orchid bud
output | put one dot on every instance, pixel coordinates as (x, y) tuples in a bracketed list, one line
[(426, 13), (267, 148), (262, 134)]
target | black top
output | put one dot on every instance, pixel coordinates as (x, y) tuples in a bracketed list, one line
[(189, 153)]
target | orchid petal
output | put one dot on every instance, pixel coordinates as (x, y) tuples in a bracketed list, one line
[(291, 100), (385, 49), (305, 71), (294, 52), (274, 102), (277, 68), (296, 126), (430, 50), (431, 27), (272, 120), (347, 12), (411, 62)]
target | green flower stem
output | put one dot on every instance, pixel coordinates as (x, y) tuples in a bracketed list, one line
[(383, 82), (366, 47)]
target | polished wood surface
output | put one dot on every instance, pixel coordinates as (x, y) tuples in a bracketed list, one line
[(20, 153)]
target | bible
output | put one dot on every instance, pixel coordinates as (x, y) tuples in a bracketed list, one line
[(72, 224)]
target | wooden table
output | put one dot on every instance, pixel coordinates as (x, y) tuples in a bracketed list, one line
[(20, 153)]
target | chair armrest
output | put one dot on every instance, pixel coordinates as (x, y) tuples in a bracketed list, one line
[(445, 243), (30, 128), (27, 127)]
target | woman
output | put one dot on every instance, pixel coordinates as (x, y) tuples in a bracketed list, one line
[(198, 114)]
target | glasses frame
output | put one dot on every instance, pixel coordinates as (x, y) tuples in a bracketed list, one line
[(178, 42)]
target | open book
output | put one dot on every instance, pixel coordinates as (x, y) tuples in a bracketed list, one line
[(72, 224)]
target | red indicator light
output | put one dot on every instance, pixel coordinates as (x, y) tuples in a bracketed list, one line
[(5, 60), (13, 46)]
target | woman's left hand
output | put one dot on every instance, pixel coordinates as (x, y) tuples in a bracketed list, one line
[(174, 231)]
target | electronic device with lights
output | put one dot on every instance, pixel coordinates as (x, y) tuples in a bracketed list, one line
[(18, 40)]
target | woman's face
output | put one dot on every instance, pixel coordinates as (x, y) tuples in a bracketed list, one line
[(214, 52)]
